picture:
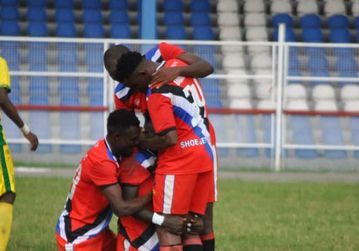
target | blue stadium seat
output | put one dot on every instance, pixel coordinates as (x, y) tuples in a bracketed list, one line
[(39, 91), (12, 57), (94, 57), (356, 23), (282, 18), (200, 18), (202, 33), (176, 32), (64, 4), (37, 14), (120, 30), (200, 6), (91, 4), (312, 35), (37, 56), (37, 29), (318, 63), (354, 131), (118, 5), (9, 2), (119, 16), (64, 15), (245, 133), (302, 134), (9, 13), (173, 5), (67, 57), (69, 91), (173, 18), (346, 66), (69, 121), (92, 16), (332, 134), (10, 28), (310, 21), (289, 34), (340, 36), (95, 94), (36, 3), (66, 29), (338, 22), (94, 30)]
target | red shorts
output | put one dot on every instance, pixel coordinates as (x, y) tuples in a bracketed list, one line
[(180, 194), (105, 241)]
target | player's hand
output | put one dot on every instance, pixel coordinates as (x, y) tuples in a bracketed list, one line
[(32, 138), (174, 224), (164, 75), (194, 224)]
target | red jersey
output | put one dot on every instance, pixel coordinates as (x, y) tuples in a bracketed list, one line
[(181, 105), (136, 171), (87, 211), (125, 97)]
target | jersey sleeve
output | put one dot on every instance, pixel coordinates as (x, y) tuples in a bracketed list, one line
[(103, 173), (169, 51), (4, 75), (119, 104), (161, 113)]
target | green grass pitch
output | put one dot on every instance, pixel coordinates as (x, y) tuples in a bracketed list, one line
[(249, 216)]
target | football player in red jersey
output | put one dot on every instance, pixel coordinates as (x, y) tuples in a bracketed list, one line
[(184, 174), (95, 192)]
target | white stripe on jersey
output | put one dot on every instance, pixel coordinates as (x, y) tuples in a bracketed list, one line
[(150, 243), (148, 162), (215, 170), (126, 245), (168, 193), (122, 93), (156, 56), (62, 224), (191, 109)]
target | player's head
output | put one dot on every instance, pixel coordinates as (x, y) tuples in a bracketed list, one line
[(110, 58), (123, 131), (135, 71)]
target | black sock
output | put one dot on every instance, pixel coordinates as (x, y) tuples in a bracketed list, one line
[(193, 248), (208, 245)]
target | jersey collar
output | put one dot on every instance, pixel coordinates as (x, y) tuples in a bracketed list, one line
[(110, 153)]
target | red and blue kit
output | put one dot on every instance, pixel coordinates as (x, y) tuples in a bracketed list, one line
[(135, 234), (87, 212), (127, 98), (180, 105)]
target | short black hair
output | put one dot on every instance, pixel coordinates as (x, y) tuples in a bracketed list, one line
[(120, 120), (127, 64), (111, 56)]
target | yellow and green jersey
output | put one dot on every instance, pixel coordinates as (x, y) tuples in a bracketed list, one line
[(4, 83)]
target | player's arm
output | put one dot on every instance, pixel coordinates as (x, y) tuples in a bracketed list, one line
[(160, 141), (173, 224), (196, 68), (123, 207), (10, 110)]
